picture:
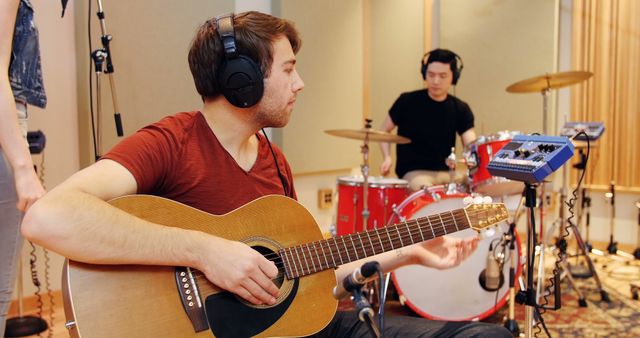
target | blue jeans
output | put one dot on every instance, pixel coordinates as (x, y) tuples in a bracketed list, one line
[(10, 238), (346, 324)]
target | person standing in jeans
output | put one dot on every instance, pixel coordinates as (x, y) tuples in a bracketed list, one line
[(20, 85)]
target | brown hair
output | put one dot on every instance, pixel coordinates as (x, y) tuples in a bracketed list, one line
[(255, 33)]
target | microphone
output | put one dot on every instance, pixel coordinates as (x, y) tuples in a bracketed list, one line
[(356, 279), (491, 278)]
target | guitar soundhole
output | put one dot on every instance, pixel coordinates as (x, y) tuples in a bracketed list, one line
[(280, 281), (272, 256)]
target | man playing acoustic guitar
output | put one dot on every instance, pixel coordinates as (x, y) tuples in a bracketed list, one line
[(214, 160)]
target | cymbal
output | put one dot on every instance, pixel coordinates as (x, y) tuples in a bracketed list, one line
[(372, 135), (548, 81)]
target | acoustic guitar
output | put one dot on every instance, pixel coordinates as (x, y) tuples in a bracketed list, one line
[(163, 301)]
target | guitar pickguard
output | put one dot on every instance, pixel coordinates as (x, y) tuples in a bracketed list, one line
[(230, 317)]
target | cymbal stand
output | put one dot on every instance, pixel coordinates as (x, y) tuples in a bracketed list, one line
[(636, 252), (574, 271), (612, 247), (613, 252), (365, 174), (545, 106)]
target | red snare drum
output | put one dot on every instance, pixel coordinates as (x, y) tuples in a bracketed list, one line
[(384, 194), (452, 294), (480, 153)]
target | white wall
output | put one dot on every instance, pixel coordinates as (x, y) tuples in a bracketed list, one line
[(500, 42), (397, 35)]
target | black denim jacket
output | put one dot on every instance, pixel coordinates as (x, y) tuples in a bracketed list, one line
[(25, 71)]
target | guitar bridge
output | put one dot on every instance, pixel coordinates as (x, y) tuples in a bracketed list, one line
[(190, 297)]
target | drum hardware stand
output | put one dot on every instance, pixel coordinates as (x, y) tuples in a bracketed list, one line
[(452, 187), (365, 174), (585, 200), (613, 253), (636, 252), (612, 247), (575, 271)]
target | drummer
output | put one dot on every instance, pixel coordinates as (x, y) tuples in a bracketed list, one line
[(430, 117)]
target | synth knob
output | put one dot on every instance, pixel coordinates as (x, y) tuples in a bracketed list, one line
[(516, 153), (526, 153)]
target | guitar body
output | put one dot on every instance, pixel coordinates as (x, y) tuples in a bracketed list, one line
[(144, 301)]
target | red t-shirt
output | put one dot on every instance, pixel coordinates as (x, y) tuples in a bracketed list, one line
[(180, 158)]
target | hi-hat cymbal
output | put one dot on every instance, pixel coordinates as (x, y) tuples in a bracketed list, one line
[(372, 135), (548, 81)]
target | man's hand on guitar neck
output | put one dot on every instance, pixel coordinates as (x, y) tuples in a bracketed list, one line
[(236, 267), (447, 252), (444, 252)]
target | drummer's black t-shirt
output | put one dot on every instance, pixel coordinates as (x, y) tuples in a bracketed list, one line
[(432, 128)]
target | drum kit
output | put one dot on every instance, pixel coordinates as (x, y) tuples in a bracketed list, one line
[(366, 202)]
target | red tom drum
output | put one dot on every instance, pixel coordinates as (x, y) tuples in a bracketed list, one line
[(383, 195), (478, 155)]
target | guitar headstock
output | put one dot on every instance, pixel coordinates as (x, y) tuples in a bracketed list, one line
[(485, 215)]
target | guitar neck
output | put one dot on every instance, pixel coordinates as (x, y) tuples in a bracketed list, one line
[(305, 259)]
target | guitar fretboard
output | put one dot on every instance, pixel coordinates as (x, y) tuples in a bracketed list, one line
[(305, 259)]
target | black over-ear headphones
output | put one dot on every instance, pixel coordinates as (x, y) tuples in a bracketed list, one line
[(456, 71), (239, 77)]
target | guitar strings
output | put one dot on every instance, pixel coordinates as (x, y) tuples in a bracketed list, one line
[(415, 228), (407, 235), (439, 230), (210, 287)]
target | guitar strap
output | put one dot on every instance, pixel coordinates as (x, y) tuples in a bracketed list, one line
[(285, 187)]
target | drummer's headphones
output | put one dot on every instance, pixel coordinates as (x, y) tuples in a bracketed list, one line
[(239, 77), (445, 56)]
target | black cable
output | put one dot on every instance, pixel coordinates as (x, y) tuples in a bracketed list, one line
[(541, 321), (35, 280), (285, 186), (570, 205), (382, 300), (47, 282)]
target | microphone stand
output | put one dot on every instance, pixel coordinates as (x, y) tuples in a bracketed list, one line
[(22, 326), (99, 56), (365, 311), (355, 284), (528, 297), (510, 323)]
